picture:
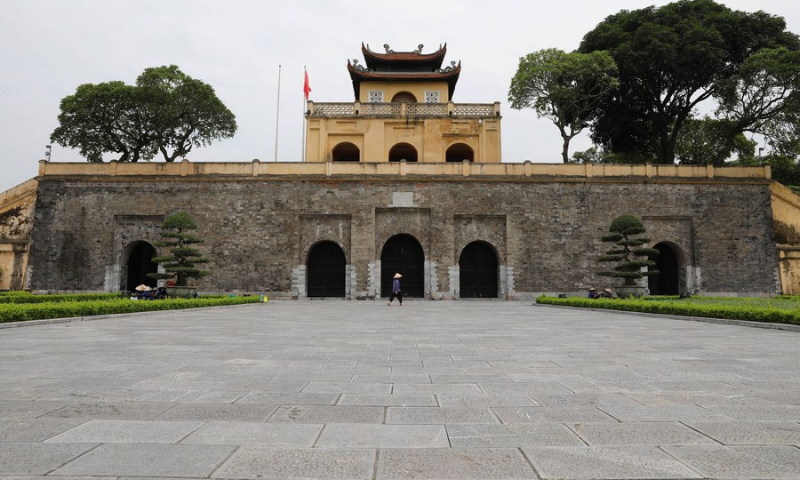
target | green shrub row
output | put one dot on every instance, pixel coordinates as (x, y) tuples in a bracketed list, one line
[(19, 312), (684, 308), (26, 297)]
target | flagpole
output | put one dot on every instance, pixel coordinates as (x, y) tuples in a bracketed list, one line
[(277, 113), (305, 104)]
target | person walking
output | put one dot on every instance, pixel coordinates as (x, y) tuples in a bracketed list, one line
[(396, 291)]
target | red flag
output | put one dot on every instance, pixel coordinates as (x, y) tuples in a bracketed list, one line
[(306, 86)]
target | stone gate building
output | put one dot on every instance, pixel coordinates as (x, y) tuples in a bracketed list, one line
[(401, 180)]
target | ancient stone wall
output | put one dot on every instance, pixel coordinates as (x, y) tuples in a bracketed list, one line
[(259, 230)]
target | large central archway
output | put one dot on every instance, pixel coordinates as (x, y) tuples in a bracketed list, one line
[(326, 271), (139, 265), (478, 271), (668, 278), (403, 254)]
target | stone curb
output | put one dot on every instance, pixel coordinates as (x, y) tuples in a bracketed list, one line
[(722, 321), (51, 321)]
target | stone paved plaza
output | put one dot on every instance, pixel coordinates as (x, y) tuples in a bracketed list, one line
[(432, 390)]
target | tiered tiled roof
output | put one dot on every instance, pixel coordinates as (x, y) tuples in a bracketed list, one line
[(403, 66)]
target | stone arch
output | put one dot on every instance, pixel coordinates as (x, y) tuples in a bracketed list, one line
[(479, 271), (326, 270), (403, 151), (137, 261), (669, 262), (403, 253), (404, 97), (458, 152), (346, 152)]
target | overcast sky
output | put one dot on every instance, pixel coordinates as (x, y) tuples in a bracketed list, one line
[(49, 47)]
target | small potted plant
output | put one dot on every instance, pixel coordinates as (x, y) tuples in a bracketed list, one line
[(632, 258), (181, 263)]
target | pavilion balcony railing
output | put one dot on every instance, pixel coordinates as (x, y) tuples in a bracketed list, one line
[(402, 110)]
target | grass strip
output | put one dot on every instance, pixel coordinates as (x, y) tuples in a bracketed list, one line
[(20, 312), (26, 297), (759, 312)]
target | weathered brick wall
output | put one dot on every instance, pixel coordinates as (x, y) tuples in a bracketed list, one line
[(258, 231)]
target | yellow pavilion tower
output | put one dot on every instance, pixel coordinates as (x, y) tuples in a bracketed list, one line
[(403, 111)]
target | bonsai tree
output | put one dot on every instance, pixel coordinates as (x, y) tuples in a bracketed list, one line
[(181, 263), (628, 252)]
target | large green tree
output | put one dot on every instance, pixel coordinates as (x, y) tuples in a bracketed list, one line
[(671, 59), (166, 111), (566, 88)]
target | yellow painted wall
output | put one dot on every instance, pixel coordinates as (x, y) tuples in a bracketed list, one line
[(390, 89), (786, 214), (375, 137)]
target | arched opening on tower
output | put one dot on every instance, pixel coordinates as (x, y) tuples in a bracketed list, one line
[(403, 254), (325, 272), (346, 152), (478, 271), (139, 264), (668, 279), (404, 97), (458, 152), (403, 151)]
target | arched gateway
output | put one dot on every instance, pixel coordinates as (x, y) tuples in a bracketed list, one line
[(326, 270), (668, 280), (403, 254), (139, 265), (478, 271)]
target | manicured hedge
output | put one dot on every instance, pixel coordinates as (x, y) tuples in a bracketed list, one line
[(19, 312), (684, 307), (27, 297)]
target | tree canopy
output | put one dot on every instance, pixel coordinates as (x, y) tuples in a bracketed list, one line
[(565, 87), (166, 111), (673, 58)]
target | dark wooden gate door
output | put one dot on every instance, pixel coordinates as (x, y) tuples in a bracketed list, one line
[(478, 271), (666, 282), (403, 254), (326, 271), (139, 265)]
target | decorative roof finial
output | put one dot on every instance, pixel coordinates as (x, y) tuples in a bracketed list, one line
[(419, 48), (386, 47)]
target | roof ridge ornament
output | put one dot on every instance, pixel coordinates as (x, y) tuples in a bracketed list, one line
[(448, 69), (360, 68), (386, 47), (419, 49)]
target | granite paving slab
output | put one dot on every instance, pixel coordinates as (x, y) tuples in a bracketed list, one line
[(388, 400), (299, 464), (639, 433), (127, 431), (219, 411), (750, 433), (287, 398), (35, 429), (260, 434), (333, 387), (111, 410), (383, 436), (571, 414), (774, 462), (147, 460), (38, 458), (453, 463), (767, 413), (28, 409), (511, 435), (328, 414), (625, 462), (438, 416)]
